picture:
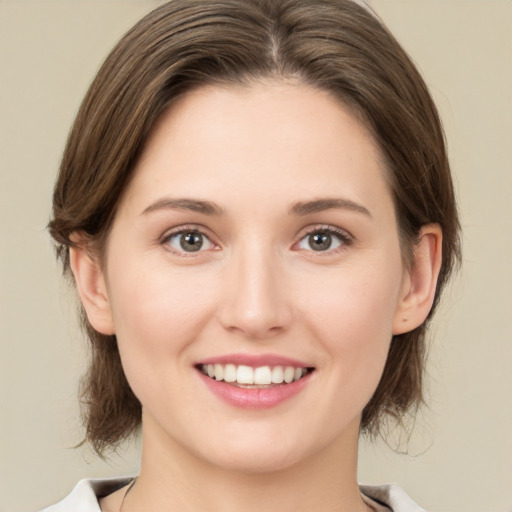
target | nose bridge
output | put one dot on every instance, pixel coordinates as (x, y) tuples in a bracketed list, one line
[(257, 303)]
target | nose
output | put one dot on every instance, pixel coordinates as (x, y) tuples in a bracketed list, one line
[(256, 302)]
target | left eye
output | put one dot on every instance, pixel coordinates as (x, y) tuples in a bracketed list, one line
[(189, 241), (322, 240)]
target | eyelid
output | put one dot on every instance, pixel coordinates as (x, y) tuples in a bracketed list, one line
[(187, 228), (345, 237)]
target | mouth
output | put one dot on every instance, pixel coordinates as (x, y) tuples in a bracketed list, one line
[(248, 377)]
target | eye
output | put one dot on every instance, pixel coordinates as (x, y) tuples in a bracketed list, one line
[(188, 240), (324, 239)]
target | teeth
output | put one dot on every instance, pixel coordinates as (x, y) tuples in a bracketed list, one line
[(263, 375), (260, 376), (277, 375), (230, 373), (245, 375), (219, 372), (289, 373)]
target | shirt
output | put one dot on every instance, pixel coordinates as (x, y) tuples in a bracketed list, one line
[(85, 495)]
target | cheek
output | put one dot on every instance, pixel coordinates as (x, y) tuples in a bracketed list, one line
[(353, 319), (157, 317), (358, 300), (157, 314)]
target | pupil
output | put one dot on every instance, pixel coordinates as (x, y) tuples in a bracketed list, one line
[(191, 242), (320, 241)]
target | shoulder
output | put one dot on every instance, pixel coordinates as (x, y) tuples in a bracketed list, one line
[(390, 497), (84, 497)]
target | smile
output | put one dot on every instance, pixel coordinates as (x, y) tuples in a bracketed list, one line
[(254, 382), (260, 377)]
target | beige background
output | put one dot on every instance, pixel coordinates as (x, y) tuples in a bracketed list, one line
[(461, 452)]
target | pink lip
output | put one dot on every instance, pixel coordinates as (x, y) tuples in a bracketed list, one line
[(252, 398), (255, 360)]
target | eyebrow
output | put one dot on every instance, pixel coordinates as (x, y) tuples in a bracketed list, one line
[(193, 205), (300, 208), (329, 203)]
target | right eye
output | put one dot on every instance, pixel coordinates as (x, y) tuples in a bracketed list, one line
[(325, 239), (188, 241)]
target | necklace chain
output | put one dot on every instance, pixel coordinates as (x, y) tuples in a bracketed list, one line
[(132, 483), (130, 486)]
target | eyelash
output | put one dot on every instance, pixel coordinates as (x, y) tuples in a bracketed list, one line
[(166, 239), (344, 238)]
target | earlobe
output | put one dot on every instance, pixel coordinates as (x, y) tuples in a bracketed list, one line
[(420, 286), (91, 286)]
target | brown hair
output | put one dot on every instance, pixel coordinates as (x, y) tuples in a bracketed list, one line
[(334, 45)]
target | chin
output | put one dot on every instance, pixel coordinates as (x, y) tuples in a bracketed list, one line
[(258, 454), (256, 462)]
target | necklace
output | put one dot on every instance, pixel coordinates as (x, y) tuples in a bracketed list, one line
[(132, 483), (369, 507)]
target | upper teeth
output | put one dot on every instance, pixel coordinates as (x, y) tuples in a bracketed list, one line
[(261, 375)]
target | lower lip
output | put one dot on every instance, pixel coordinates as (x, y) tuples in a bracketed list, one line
[(253, 398)]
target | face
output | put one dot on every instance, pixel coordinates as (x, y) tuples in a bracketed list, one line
[(254, 275)]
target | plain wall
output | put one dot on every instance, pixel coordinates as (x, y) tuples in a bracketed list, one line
[(461, 450)]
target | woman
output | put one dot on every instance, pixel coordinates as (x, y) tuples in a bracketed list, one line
[(256, 207)]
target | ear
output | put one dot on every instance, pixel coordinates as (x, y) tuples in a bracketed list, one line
[(91, 285), (420, 280)]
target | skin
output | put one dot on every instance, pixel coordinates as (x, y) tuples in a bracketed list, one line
[(256, 286)]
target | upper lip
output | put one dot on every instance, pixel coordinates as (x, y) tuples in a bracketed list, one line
[(255, 360)]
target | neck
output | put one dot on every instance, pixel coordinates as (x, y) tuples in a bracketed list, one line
[(173, 478)]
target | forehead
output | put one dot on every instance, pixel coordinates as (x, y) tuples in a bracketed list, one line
[(259, 137)]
